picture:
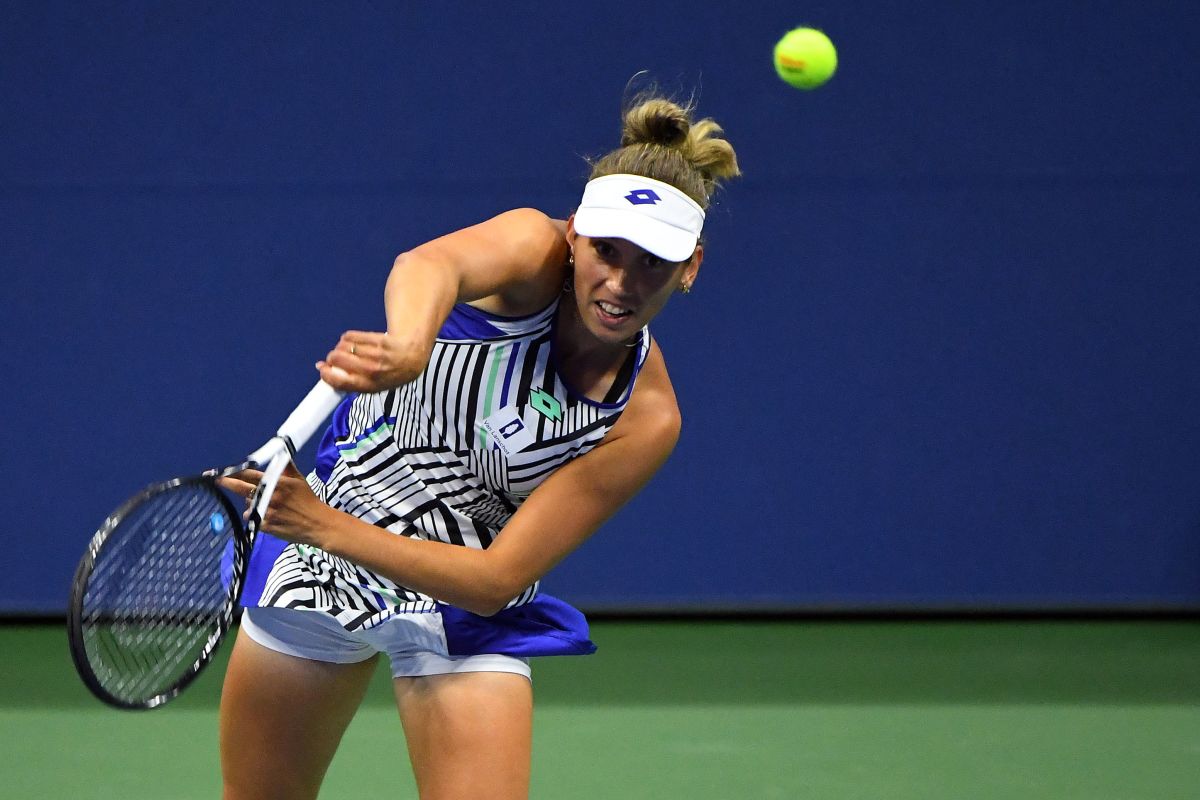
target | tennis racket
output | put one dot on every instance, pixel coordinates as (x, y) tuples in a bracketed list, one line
[(160, 581)]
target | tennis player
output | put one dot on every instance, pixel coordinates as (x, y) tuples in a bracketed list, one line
[(515, 402)]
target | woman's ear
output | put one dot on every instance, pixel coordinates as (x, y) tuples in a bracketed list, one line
[(571, 236), (693, 267)]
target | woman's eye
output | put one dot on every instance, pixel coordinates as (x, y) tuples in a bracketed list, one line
[(651, 262)]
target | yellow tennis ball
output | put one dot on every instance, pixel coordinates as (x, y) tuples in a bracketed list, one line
[(805, 58)]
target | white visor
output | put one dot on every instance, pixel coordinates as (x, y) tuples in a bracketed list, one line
[(653, 215)]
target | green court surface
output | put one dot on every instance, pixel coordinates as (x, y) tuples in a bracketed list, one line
[(1070, 710)]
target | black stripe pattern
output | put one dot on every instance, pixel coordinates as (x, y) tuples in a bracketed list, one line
[(449, 457)]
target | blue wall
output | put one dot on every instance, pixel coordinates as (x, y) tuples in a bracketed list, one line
[(943, 351)]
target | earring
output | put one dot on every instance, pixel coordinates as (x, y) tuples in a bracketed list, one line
[(569, 283), (685, 287)]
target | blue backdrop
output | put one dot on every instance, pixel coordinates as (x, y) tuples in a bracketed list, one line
[(942, 354)]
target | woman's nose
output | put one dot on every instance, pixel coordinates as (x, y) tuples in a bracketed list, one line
[(618, 280)]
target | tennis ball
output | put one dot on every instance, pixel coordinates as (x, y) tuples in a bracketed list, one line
[(805, 58)]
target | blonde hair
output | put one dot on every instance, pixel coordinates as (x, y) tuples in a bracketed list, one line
[(659, 140)]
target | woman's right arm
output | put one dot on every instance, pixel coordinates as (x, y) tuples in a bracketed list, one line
[(510, 265)]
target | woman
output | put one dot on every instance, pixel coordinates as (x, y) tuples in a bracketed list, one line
[(516, 392)]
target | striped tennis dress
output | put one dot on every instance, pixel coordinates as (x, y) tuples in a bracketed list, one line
[(447, 457)]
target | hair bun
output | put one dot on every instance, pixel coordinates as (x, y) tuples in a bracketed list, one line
[(656, 121), (659, 140)]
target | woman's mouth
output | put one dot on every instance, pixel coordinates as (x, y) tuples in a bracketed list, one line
[(611, 312)]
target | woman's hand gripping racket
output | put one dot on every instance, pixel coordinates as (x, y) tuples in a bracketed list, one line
[(157, 588)]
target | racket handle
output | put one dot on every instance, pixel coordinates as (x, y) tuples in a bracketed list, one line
[(312, 412)]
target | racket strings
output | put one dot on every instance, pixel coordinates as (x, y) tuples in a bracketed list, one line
[(159, 591)]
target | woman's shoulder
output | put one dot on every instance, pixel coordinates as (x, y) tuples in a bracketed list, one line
[(653, 410), (531, 229), (535, 245)]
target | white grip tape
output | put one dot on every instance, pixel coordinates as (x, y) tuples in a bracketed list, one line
[(313, 410), (270, 480), (263, 455)]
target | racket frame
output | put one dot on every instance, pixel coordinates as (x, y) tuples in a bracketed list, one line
[(273, 458), (242, 543)]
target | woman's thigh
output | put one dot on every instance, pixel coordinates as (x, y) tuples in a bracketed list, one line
[(469, 733), (282, 718)]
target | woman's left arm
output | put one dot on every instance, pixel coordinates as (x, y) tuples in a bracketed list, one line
[(554, 520)]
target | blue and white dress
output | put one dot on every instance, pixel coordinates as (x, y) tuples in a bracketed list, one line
[(449, 457)]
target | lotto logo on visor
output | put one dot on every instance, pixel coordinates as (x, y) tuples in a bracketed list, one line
[(653, 215), (642, 196)]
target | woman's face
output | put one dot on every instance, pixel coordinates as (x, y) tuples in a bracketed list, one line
[(619, 287)]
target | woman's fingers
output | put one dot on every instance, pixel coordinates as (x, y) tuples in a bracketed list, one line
[(342, 380), (241, 483), (367, 361), (240, 488), (354, 364), (361, 348)]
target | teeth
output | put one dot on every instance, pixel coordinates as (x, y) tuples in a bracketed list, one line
[(609, 308)]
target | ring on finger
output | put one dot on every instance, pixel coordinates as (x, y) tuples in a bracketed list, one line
[(354, 348)]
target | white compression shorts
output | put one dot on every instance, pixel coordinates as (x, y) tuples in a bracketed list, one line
[(415, 643)]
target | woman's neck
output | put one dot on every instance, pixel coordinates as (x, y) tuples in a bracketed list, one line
[(586, 363)]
